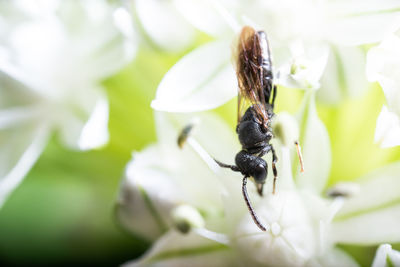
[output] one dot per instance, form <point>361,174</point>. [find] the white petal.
<point>344,74</point>
<point>24,129</point>
<point>212,17</point>
<point>18,86</point>
<point>369,228</point>
<point>380,259</point>
<point>394,256</point>
<point>163,23</point>
<point>15,116</point>
<point>383,66</point>
<point>95,132</point>
<point>203,79</point>
<point>175,249</point>
<point>316,148</point>
<point>321,212</point>
<point>354,23</point>
<point>385,254</point>
<point>147,196</point>
<point>387,132</point>
<point>289,240</point>
<point>371,216</point>
<point>333,258</point>
<point>203,186</point>
<point>18,154</point>
<point>71,120</point>
<point>113,46</point>
<point>18,102</point>
<point>92,47</point>
<point>381,59</point>
<point>99,42</point>
<point>378,189</point>
<point>33,9</point>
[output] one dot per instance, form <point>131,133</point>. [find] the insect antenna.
<point>298,148</point>
<point>250,207</point>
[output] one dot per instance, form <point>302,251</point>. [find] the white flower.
<point>383,66</point>
<point>161,23</point>
<point>172,176</point>
<point>314,44</point>
<point>53,56</point>
<point>386,256</point>
<point>303,226</point>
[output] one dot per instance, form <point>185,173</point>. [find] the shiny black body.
<point>255,80</point>
<point>254,139</point>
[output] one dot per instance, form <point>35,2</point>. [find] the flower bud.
<point>147,196</point>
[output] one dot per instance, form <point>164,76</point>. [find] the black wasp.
<point>256,93</point>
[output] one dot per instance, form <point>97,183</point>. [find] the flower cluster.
<point>53,56</point>
<point>165,188</point>
<point>194,212</point>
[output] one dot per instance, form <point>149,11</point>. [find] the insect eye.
<point>260,173</point>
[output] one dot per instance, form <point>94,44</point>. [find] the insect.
<point>256,99</point>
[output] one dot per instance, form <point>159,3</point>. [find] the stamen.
<point>203,154</point>
<point>298,148</point>
<point>217,237</point>
<point>185,137</point>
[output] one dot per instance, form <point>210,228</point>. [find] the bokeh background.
<point>63,212</point>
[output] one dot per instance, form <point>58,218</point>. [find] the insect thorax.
<point>252,133</point>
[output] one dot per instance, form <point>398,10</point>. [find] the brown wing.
<point>249,73</point>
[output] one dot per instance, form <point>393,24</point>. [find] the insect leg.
<point>250,207</point>
<point>232,167</point>
<point>265,150</point>
<point>274,160</point>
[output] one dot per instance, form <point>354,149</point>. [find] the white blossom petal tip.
<point>25,154</point>
<point>386,256</point>
<point>210,17</point>
<point>203,79</point>
<point>164,24</point>
<point>387,132</point>
<point>95,132</point>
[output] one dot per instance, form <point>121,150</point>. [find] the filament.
<point>298,148</point>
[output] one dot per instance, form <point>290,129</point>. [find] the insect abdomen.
<point>266,64</point>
